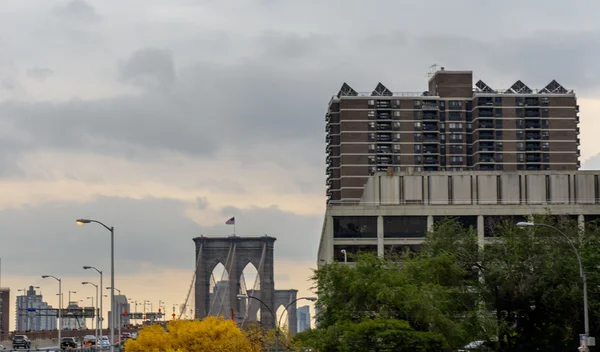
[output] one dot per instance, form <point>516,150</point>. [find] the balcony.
<point>430,116</point>
<point>384,115</point>
<point>485,101</point>
<point>486,112</point>
<point>533,158</point>
<point>533,125</point>
<point>485,125</point>
<point>430,150</point>
<point>533,146</point>
<point>430,160</point>
<point>486,146</point>
<point>430,138</point>
<point>533,135</point>
<point>532,101</point>
<point>384,137</point>
<point>486,159</point>
<point>383,104</point>
<point>532,113</point>
<point>430,126</point>
<point>429,106</point>
<point>384,126</point>
<point>486,135</point>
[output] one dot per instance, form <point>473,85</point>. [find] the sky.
<point>166,118</point>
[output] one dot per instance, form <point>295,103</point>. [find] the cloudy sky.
<point>165,118</point>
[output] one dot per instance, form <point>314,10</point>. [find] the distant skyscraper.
<point>219,300</point>
<point>303,314</point>
<point>33,314</point>
<point>4,309</point>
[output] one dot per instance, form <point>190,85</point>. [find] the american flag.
<point>230,221</point>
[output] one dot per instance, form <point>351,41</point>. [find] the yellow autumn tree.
<point>211,334</point>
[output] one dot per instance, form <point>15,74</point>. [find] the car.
<point>89,340</point>
<point>68,342</point>
<point>105,342</point>
<point>125,336</point>
<point>21,341</point>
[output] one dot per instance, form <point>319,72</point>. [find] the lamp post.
<point>92,303</point>
<point>59,303</point>
<point>69,301</point>
<point>242,296</point>
<point>99,319</point>
<point>112,275</point>
<point>581,275</point>
<point>98,334</point>
<point>115,311</point>
<point>312,299</point>
<point>345,255</point>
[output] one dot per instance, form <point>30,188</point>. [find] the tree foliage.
<point>211,334</point>
<point>521,292</point>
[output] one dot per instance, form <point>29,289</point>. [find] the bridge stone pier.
<point>283,298</point>
<point>235,252</point>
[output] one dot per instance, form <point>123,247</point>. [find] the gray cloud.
<point>201,203</point>
<point>39,73</point>
<point>149,68</point>
<point>150,230</point>
<point>79,10</point>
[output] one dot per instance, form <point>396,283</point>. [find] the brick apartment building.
<point>453,126</point>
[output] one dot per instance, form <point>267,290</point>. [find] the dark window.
<point>492,222</point>
<point>465,221</point>
<point>498,112</point>
<point>404,226</point>
<point>355,226</point>
<point>454,116</point>
<point>498,134</point>
<point>352,251</point>
<point>498,123</point>
<point>498,100</point>
<point>394,250</point>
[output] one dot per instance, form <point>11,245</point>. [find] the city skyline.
<point>166,119</point>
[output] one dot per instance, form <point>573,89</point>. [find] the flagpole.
<point>234,227</point>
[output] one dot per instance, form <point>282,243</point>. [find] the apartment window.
<point>544,112</point>
<point>396,124</point>
<point>371,146</point>
<point>499,157</point>
<point>417,125</point>
<point>442,126</point>
<point>397,147</point>
<point>519,101</point>
<point>404,226</point>
<point>469,127</point>
<point>546,157</point>
<point>498,134</point>
<point>371,113</point>
<point>455,125</point>
<point>418,160</point>
<point>417,137</point>
<point>416,103</point>
<point>442,103</point>
<point>397,102</point>
<point>520,146</point>
<point>396,136</point>
<point>469,116</point>
<point>454,116</point>
<point>519,123</point>
<point>546,146</point>
<point>442,116</point>
<point>397,113</point>
<point>498,112</point>
<point>456,137</point>
<point>371,102</point>
<point>520,157</point>
<point>443,137</point>
<point>455,104</point>
<point>544,101</point>
<point>519,135</point>
<point>371,124</point>
<point>417,148</point>
<point>499,167</point>
<point>498,100</point>
<point>456,159</point>
<point>498,123</point>
<point>544,123</point>
<point>545,135</point>
<point>499,146</point>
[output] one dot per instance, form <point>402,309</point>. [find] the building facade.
<point>4,310</point>
<point>453,126</point>
<point>303,318</point>
<point>397,210</point>
<point>33,314</point>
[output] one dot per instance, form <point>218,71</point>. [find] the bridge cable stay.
<point>182,311</point>
<point>227,287</point>
<point>212,304</point>
<point>256,282</point>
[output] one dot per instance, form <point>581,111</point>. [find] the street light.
<point>112,275</point>
<point>312,299</point>
<point>99,316</point>
<point>69,302</point>
<point>243,296</point>
<point>581,274</point>
<point>59,303</point>
<point>114,311</point>
<point>345,255</point>
<point>98,334</point>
